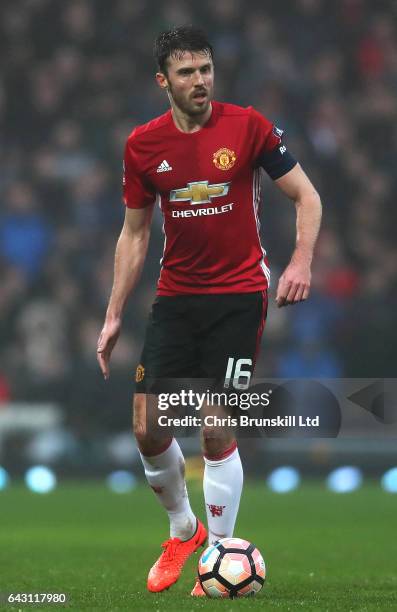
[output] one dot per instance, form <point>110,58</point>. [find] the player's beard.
<point>188,105</point>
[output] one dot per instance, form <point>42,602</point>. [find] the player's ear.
<point>162,80</point>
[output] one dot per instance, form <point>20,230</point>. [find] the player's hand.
<point>106,343</point>
<point>294,284</point>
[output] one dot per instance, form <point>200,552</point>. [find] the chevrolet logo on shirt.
<point>199,192</point>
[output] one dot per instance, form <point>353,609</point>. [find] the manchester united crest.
<point>140,373</point>
<point>224,159</point>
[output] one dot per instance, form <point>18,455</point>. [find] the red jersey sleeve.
<point>265,135</point>
<point>137,191</point>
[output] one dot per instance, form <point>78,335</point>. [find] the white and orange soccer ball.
<point>231,568</point>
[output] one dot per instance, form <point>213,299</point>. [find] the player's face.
<point>190,82</point>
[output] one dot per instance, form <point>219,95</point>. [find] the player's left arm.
<point>294,283</point>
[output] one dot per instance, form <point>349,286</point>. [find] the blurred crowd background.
<point>77,77</point>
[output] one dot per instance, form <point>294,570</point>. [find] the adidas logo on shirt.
<point>164,167</point>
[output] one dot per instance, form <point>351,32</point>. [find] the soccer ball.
<point>231,568</point>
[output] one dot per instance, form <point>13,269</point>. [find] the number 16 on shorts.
<point>236,374</point>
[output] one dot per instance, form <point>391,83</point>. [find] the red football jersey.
<point>208,184</point>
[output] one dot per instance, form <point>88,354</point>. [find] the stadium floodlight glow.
<point>121,481</point>
<point>4,478</point>
<point>344,479</point>
<point>389,480</point>
<point>283,479</point>
<point>40,479</point>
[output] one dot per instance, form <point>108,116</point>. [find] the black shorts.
<point>209,338</point>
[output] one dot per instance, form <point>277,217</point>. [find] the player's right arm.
<point>129,258</point>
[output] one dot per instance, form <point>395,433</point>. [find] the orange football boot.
<point>169,565</point>
<point>198,590</point>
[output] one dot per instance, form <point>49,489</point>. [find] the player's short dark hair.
<point>173,43</point>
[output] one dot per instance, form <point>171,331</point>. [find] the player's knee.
<point>141,435</point>
<point>139,415</point>
<point>140,424</point>
<point>147,442</point>
<point>210,433</point>
<point>215,440</point>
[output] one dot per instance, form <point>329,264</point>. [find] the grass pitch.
<point>323,551</point>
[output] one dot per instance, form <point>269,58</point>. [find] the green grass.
<point>323,551</point>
